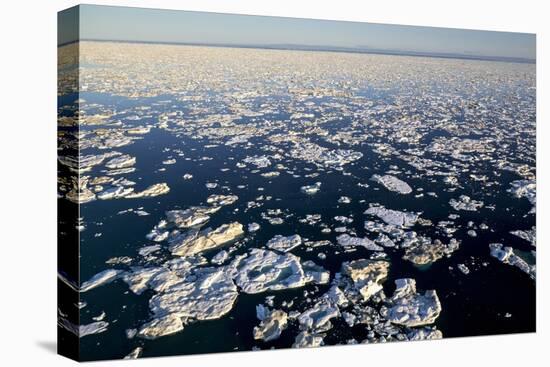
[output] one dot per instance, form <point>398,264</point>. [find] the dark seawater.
<point>474,304</point>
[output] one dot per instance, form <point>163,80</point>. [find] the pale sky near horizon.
<point>156,25</point>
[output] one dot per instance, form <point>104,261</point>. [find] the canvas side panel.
<point>68,184</point>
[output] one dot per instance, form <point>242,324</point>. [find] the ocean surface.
<point>471,100</point>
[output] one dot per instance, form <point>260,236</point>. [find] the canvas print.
<point>241,183</point>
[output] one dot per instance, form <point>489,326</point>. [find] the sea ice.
<point>151,191</point>
<point>272,323</point>
<point>311,189</point>
<point>465,203</point>
<point>263,270</point>
<point>100,278</point>
<point>423,251</point>
<point>206,294</point>
<point>220,257</point>
<point>367,275</point>
<point>115,192</point>
<point>135,353</point>
<point>525,189</point>
<point>208,239</point>
<point>194,216</point>
<point>147,250</point>
<point>528,235</point>
<point>253,227</point>
<point>318,317</point>
<point>307,340</point>
<point>506,255</point>
<point>93,328</point>
<point>258,161</point>
<point>346,240</point>
<point>221,200</point>
<point>123,161</point>
<point>410,308</point>
<point>393,217</point>
<point>284,244</point>
<point>392,183</point>
<point>162,326</point>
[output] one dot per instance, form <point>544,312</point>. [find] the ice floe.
<point>100,278</point>
<point>115,192</point>
<point>122,161</point>
<point>151,191</point>
<point>346,240</point>
<point>284,244</point>
<point>253,227</point>
<point>317,318</point>
<point>423,251</point>
<point>464,202</point>
<point>306,339</point>
<point>392,183</point>
<point>194,216</point>
<point>525,189</point>
<point>311,189</point>
<point>295,130</point>
<point>410,308</point>
<point>506,255</point>
<point>162,326</point>
<point>263,270</point>
<point>222,200</point>
<point>393,217</point>
<point>207,239</point>
<point>528,235</point>
<point>272,323</point>
<point>135,353</point>
<point>367,275</point>
<point>205,294</point>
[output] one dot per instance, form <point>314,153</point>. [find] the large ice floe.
<point>115,192</point>
<point>194,241</point>
<point>100,278</point>
<point>284,244</point>
<point>207,293</point>
<point>182,294</point>
<point>151,191</point>
<point>410,308</point>
<point>263,270</point>
<point>122,161</point>
<point>345,240</point>
<point>392,183</point>
<point>393,217</point>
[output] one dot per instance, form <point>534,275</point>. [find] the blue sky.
<point>138,24</point>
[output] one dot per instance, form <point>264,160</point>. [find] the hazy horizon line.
<point>322,48</point>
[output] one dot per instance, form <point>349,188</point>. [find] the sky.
<point>176,26</point>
